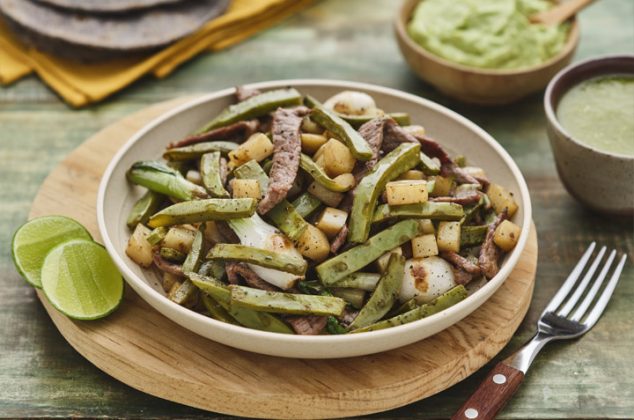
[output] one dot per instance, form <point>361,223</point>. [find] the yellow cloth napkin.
<point>80,84</point>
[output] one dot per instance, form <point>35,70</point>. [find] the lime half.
<point>34,239</point>
<point>80,279</point>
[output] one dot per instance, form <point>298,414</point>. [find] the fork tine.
<point>582,285</point>
<point>599,307</point>
<point>570,281</point>
<point>581,310</point>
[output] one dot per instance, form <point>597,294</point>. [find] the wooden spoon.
<point>561,13</point>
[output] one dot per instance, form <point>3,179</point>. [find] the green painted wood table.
<point>42,376</point>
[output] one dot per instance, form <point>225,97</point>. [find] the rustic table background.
<point>42,376</point>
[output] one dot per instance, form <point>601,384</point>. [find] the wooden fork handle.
<point>492,394</point>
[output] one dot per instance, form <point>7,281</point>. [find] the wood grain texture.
<point>41,375</point>
<point>145,350</point>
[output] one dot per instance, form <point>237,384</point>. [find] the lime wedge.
<point>34,239</point>
<point>80,279</point>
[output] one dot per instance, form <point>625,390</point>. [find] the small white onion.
<point>426,278</point>
<point>351,102</point>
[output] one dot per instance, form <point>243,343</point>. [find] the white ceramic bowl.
<point>116,197</point>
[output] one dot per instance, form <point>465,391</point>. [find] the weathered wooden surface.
<point>41,375</point>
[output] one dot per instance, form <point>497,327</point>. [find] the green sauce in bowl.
<point>599,112</point>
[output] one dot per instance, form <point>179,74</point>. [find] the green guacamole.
<point>492,34</point>
<point>600,113</point>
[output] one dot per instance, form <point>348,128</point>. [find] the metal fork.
<point>564,318</point>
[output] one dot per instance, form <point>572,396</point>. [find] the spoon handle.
<point>559,14</point>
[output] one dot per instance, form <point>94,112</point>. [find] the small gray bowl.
<point>603,181</point>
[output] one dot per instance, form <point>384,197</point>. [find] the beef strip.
<point>227,233</point>
<point>461,262</point>
<point>240,131</point>
<point>244,93</point>
<point>372,132</point>
<point>489,252</point>
<point>235,269</point>
<point>339,240</point>
<point>394,135</point>
<point>463,198</point>
<point>461,276</point>
<point>166,266</point>
<point>286,154</point>
<point>448,167</point>
<point>307,325</point>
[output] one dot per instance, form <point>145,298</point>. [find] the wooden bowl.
<point>476,85</point>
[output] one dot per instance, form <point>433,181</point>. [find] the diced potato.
<point>257,147</point>
<point>337,158</point>
<point>424,246</point>
<point>415,130</point>
<point>381,262</point>
<point>329,198</point>
<point>506,235</point>
<point>312,142</point>
<point>427,226</point>
<point>310,126</point>
<point>475,171</point>
<point>245,188</point>
<point>448,236</point>
<point>346,180</point>
<point>180,239</point>
<point>169,280</point>
<point>212,234</point>
<point>331,221</point>
<point>412,175</point>
<point>194,176</point>
<point>442,186</point>
<point>172,291</point>
<point>314,244</point>
<point>406,192</point>
<point>501,199</point>
<point>139,249</point>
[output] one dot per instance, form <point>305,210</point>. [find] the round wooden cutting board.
<point>145,350</point>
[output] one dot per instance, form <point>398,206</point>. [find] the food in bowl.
<point>599,112</point>
<point>288,215</point>
<point>492,34</point>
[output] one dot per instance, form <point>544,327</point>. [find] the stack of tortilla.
<point>92,30</point>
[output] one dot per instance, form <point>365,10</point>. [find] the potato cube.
<point>313,244</point>
<point>442,186</point>
<point>337,158</point>
<point>180,239</point>
<point>139,249</point>
<point>257,147</point>
<point>506,235</point>
<point>501,199</point>
<point>245,188</point>
<point>329,198</point>
<point>424,246</point>
<point>345,180</point>
<point>381,262</point>
<point>312,142</point>
<point>406,192</point>
<point>412,175</point>
<point>169,280</point>
<point>331,221</point>
<point>415,130</point>
<point>427,226</point>
<point>448,236</point>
